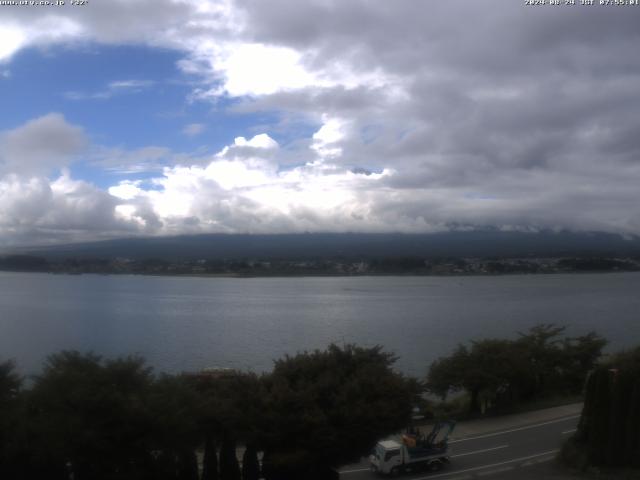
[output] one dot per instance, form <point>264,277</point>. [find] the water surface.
<point>187,323</point>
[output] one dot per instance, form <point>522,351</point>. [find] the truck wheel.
<point>395,471</point>
<point>435,466</point>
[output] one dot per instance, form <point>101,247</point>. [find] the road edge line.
<point>558,420</point>
<point>488,466</point>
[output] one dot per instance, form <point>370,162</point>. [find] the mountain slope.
<point>353,245</point>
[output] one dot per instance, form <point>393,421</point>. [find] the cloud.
<point>118,160</point>
<point>38,210</point>
<point>18,30</point>
<point>130,84</point>
<point>12,39</point>
<point>462,113</point>
<point>40,146</point>
<point>245,188</point>
<point>242,190</point>
<point>112,89</point>
<point>193,129</point>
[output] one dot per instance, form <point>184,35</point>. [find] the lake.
<point>188,323</point>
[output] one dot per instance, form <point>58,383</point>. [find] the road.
<point>491,454</point>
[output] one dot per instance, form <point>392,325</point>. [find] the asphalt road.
<point>491,454</point>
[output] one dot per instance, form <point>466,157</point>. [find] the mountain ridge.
<point>479,243</point>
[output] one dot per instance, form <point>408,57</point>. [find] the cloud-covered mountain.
<point>481,243</point>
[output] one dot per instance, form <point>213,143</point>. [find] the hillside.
<point>348,246</point>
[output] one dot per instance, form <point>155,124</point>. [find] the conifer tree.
<point>250,464</point>
<point>210,460</point>
<point>229,467</point>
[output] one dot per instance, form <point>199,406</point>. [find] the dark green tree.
<point>491,369</point>
<point>609,426</point>
<point>504,372</point>
<point>11,421</point>
<point>580,355</point>
<point>210,459</point>
<point>176,432</point>
<point>447,374</point>
<point>10,382</point>
<point>229,467</point>
<point>545,355</point>
<point>250,464</point>
<point>327,408</point>
<point>231,405</point>
<point>89,417</point>
<point>188,464</point>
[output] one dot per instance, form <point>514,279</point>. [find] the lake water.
<point>187,323</point>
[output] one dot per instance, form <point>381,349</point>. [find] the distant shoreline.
<point>324,275</point>
<point>323,267</point>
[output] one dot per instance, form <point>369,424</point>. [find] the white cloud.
<point>256,69</point>
<point>259,141</point>
<point>117,87</point>
<point>193,129</point>
<point>129,84</point>
<point>19,32</point>
<point>38,210</point>
<point>126,189</point>
<point>243,190</point>
<point>326,140</point>
<point>12,39</point>
<point>239,69</point>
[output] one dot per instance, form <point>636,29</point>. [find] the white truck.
<point>415,454</point>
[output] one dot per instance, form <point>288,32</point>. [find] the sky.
<point>162,117</point>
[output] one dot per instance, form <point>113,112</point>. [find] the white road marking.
<point>478,451</point>
<point>354,471</point>
<point>482,467</point>
<point>515,429</point>
<point>534,462</point>
<point>542,460</point>
<point>566,432</point>
<point>495,470</point>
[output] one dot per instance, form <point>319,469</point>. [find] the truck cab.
<point>387,457</point>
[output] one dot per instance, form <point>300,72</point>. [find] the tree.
<point>175,405</point>
<point>10,382</point>
<point>231,408</point>
<point>250,464</point>
<point>545,356</point>
<point>504,372</point>
<point>490,369</point>
<point>229,468</point>
<point>210,459</point>
<point>90,417</point>
<point>580,356</point>
<point>10,419</point>
<point>608,428</point>
<point>446,374</point>
<point>327,408</point>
